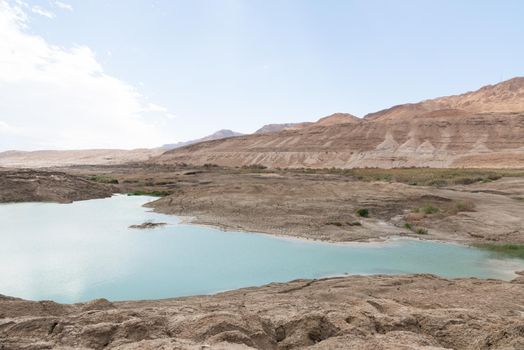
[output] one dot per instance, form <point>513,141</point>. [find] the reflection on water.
<point>85,250</point>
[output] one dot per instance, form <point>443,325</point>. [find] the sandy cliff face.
<point>484,128</point>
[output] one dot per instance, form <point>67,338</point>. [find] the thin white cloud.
<point>42,12</point>
<point>64,6</point>
<point>61,98</point>
<point>7,129</point>
<point>151,107</point>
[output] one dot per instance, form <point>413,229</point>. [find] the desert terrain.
<point>479,129</point>
<point>354,312</point>
<point>460,205</point>
<point>449,169</point>
<point>415,312</point>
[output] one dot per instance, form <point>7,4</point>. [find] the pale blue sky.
<point>240,64</point>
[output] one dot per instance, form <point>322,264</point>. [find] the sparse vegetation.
<point>417,230</point>
<point>510,250</point>
<point>421,231</point>
<point>103,179</point>
<point>428,209</point>
<point>340,224</point>
<point>255,167</point>
<point>462,206</point>
<point>423,176</point>
<point>363,212</point>
<point>445,209</point>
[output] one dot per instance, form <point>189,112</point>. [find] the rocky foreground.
<point>358,312</point>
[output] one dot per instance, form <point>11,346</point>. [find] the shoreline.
<point>379,310</point>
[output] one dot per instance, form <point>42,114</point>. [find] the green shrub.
<point>408,226</point>
<point>421,231</point>
<point>429,209</point>
<point>363,212</point>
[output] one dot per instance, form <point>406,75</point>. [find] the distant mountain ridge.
<point>270,128</point>
<point>220,134</point>
<point>505,97</point>
<point>482,128</point>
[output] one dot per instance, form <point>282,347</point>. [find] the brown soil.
<point>324,205</point>
<point>48,186</point>
<point>357,312</point>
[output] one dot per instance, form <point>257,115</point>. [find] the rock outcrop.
<point>358,312</point>
<point>48,186</point>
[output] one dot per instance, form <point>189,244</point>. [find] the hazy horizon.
<point>139,74</point>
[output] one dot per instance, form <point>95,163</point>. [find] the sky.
<point>130,74</point>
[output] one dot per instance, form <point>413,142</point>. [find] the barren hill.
<point>504,97</point>
<point>270,128</point>
<point>483,128</point>
<point>337,118</point>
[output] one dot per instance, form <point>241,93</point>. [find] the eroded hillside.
<point>484,128</point>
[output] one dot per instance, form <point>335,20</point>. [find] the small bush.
<point>408,226</point>
<point>363,212</point>
<point>465,206</point>
<point>421,231</point>
<point>429,209</point>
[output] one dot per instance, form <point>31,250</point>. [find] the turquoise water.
<point>85,250</point>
